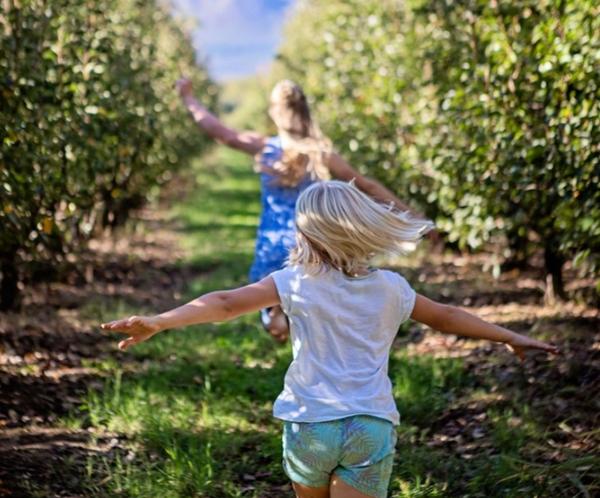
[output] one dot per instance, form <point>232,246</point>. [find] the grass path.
<point>199,410</point>
<point>188,414</point>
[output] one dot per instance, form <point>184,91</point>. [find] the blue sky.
<point>238,37</point>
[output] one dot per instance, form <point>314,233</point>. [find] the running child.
<point>337,405</point>
<point>288,163</point>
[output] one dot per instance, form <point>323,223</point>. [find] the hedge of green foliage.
<point>90,124</point>
<point>487,113</point>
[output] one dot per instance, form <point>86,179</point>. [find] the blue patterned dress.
<point>276,232</point>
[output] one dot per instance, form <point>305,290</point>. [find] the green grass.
<point>194,408</point>
<point>424,386</point>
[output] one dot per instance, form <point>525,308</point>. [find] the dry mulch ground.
<point>48,353</point>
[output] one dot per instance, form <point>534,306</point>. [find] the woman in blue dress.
<point>288,163</point>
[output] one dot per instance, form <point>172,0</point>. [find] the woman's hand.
<point>519,345</point>
<point>184,85</point>
<point>140,329</point>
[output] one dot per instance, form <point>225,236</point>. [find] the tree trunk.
<point>518,245</point>
<point>554,262</point>
<point>9,286</point>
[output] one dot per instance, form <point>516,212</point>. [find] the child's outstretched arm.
<point>452,320</point>
<point>220,306</point>
<point>249,142</point>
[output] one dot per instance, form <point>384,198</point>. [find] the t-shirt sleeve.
<point>282,279</point>
<point>407,298</point>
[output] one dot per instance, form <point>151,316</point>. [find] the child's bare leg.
<point>303,491</point>
<point>339,489</point>
<point>279,327</point>
<point>336,489</point>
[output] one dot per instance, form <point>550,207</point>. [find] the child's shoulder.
<point>272,146</point>
<point>288,272</point>
<point>274,141</point>
<point>300,272</point>
<point>393,277</point>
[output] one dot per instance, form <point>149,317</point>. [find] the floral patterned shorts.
<point>359,450</point>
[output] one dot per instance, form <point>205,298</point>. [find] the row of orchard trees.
<point>487,112</point>
<point>89,122</point>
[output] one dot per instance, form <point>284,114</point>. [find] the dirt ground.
<point>49,352</point>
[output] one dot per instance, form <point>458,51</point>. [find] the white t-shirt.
<point>342,330</point>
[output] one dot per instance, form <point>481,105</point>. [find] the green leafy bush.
<point>519,125</point>
<point>487,113</point>
<point>89,121</point>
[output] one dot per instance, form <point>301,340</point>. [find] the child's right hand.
<point>519,345</point>
<point>140,329</point>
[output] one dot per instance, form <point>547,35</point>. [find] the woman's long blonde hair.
<point>337,226</point>
<point>305,148</point>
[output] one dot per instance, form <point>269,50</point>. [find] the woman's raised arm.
<point>340,169</point>
<point>249,142</point>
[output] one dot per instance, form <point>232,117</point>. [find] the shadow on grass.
<point>218,461</point>
<point>174,462</point>
<point>40,462</point>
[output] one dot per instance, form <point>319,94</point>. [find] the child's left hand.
<point>520,344</point>
<point>140,328</point>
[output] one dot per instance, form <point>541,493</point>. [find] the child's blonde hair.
<point>305,148</point>
<point>337,226</point>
